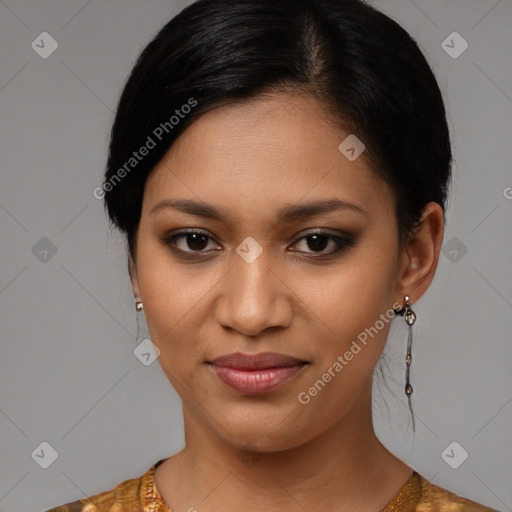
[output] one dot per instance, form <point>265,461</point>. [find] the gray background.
<point>68,375</point>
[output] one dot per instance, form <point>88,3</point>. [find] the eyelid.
<point>324,231</point>
<point>300,236</point>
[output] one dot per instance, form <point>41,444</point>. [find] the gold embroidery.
<point>141,495</point>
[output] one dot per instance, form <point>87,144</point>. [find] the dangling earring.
<point>142,328</point>
<point>410,318</point>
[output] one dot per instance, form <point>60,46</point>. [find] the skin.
<point>269,451</point>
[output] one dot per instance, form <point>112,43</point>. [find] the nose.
<point>254,297</point>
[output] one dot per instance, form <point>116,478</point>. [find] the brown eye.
<point>189,242</point>
<point>317,242</point>
<point>320,243</point>
<point>198,243</point>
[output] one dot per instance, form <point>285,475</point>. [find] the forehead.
<point>255,156</point>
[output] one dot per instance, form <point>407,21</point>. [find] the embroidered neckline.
<point>152,501</point>
<point>149,496</point>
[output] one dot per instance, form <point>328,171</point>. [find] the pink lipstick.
<point>252,374</point>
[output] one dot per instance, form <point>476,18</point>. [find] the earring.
<point>410,318</point>
<point>142,328</point>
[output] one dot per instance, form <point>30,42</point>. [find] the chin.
<point>267,430</point>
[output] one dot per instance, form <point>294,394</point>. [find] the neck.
<point>336,467</point>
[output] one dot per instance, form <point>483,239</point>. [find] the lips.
<point>261,361</point>
<point>256,373</point>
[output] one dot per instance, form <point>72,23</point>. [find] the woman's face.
<point>272,270</point>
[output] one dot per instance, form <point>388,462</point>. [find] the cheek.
<point>171,299</point>
<point>352,296</point>
<point>354,312</point>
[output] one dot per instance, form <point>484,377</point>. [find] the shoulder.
<point>435,498</point>
<point>125,497</point>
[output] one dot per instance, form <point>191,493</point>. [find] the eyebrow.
<point>288,214</point>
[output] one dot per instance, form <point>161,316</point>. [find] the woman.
<point>280,170</point>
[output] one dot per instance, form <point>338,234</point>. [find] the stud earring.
<point>410,318</point>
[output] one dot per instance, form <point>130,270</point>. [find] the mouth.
<point>252,374</point>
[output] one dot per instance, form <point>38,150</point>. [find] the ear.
<point>421,255</point>
<point>132,270</point>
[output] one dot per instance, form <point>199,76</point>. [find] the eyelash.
<point>341,242</point>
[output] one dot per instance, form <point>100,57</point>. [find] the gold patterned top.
<point>141,495</point>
